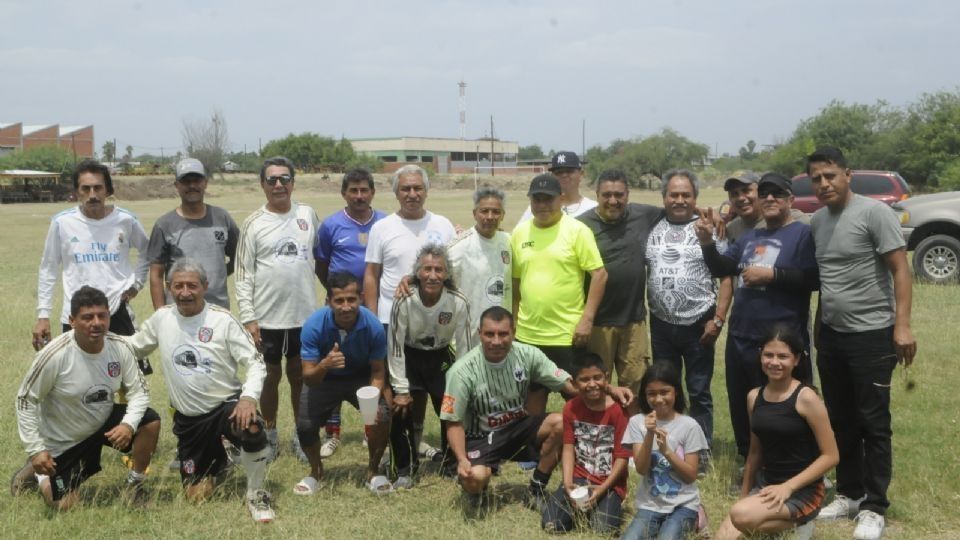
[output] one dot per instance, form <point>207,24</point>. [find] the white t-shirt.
<point>201,357</point>
<point>68,394</point>
<point>660,490</point>
<point>426,328</point>
<point>481,269</point>
<point>394,243</point>
<point>93,252</point>
<point>572,210</point>
<point>276,284</point>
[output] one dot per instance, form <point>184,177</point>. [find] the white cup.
<point>580,495</point>
<point>368,397</point>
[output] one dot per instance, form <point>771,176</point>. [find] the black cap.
<point>546,184</point>
<point>776,179</point>
<point>747,178</point>
<point>565,160</point>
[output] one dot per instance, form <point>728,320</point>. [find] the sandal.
<point>380,485</point>
<point>306,487</point>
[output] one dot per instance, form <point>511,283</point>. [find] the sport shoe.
<point>260,508</point>
<point>403,482</point>
<point>842,507</point>
<point>274,441</point>
<point>23,480</point>
<point>427,451</point>
<point>869,526</point>
<point>330,447</point>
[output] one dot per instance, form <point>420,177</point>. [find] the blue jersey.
<point>363,343</point>
<point>342,242</point>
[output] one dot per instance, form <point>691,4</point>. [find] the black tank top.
<point>788,443</point>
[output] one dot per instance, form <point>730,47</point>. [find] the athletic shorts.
<point>279,343</point>
<point>804,504</point>
<point>82,460</point>
<point>561,355</point>
<point>199,447</point>
<point>516,442</point>
<point>318,402</point>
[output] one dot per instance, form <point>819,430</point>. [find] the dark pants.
<point>680,344</point>
<point>426,372</point>
<point>855,371</point>
<point>742,361</point>
<point>604,518</point>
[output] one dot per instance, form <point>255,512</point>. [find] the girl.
<point>666,446</point>
<point>791,445</point>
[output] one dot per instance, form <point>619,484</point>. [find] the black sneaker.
<point>23,480</point>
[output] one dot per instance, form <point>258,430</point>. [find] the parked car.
<point>931,228</point>
<point>886,186</point>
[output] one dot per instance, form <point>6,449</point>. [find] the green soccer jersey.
<point>486,397</point>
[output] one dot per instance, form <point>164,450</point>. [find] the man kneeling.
<point>66,412</point>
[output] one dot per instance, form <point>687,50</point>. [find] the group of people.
<point>486,324</point>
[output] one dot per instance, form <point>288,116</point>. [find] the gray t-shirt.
<point>856,287</point>
<point>211,241</point>
<point>660,490</point>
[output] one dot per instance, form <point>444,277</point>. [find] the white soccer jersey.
<point>93,252</point>
<point>275,280</point>
<point>68,394</point>
<point>481,269</point>
<point>201,357</point>
<point>426,328</point>
<point>394,243</point>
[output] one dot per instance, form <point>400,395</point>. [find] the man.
<point>344,348</point>
<point>423,324</point>
<point>686,310</point>
<point>341,247</point>
<point>551,254</point>
<point>864,331</point>
<point>202,348</point>
<point>480,258</point>
<point>742,194</point>
<point>484,406</point>
<point>276,290</point>
<point>568,168</point>
<point>91,245</point>
<point>65,408</point>
<point>776,271</point>
<point>203,232</point>
<point>621,228</point>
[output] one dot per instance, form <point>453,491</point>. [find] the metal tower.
<point>463,109</point>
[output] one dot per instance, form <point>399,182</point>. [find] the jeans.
<point>742,360</point>
<point>855,371</point>
<point>604,518</point>
<point>650,525</point>
<point>680,344</point>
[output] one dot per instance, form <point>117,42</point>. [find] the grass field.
<point>925,490</point>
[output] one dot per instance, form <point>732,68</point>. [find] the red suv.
<point>885,186</point>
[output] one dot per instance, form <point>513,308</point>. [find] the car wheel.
<point>937,259</point>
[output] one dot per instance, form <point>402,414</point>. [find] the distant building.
<point>441,155</point>
<point>16,136</point>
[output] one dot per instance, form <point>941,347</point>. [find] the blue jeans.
<point>680,344</point>
<point>650,525</point>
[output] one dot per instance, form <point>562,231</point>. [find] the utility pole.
<point>583,139</point>
<point>493,161</point>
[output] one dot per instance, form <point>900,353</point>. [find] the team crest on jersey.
<point>505,256</point>
<point>219,235</point>
<point>189,467</point>
<point>445,317</point>
<point>205,334</point>
<point>113,369</point>
<point>520,374</point>
<point>362,238</point>
<point>302,223</point>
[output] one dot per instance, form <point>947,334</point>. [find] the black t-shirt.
<point>622,246</point>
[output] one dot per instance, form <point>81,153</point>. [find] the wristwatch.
<point>718,322</point>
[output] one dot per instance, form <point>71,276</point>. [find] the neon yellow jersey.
<point>550,264</point>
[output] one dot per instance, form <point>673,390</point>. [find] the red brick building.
<point>16,136</point>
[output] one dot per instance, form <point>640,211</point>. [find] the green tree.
<point>654,155</point>
<point>50,158</point>
<point>532,151</point>
<point>306,150</point>
<point>931,136</point>
<point>109,151</point>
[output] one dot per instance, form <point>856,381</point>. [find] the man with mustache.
<point>90,245</point>
<point>201,231</point>
<point>742,194</point>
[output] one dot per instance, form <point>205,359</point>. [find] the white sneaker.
<point>330,447</point>
<point>427,451</point>
<point>842,507</point>
<point>869,526</point>
<point>273,439</point>
<point>403,482</point>
<point>260,508</point>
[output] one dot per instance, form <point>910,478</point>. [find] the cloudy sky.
<point>719,72</point>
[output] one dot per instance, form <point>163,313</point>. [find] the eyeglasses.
<point>777,193</point>
<point>284,179</point>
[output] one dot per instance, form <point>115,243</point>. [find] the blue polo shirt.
<point>365,342</point>
<point>342,242</point>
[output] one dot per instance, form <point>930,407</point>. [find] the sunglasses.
<point>777,193</point>
<point>284,179</point>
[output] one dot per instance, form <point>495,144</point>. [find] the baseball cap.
<point>565,160</point>
<point>545,183</point>
<point>748,177</point>
<point>190,166</point>
<point>778,180</point>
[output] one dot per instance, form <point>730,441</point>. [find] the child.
<point>593,427</point>
<point>666,445</point>
<point>791,445</point>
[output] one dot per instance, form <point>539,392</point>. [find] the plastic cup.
<point>368,397</point>
<point>580,495</point>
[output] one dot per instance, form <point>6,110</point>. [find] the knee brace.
<point>254,441</point>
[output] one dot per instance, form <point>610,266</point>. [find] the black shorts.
<point>199,447</point>
<point>318,402</point>
<point>561,355</point>
<point>804,504</point>
<point>82,460</point>
<point>279,343</point>
<point>516,442</point>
